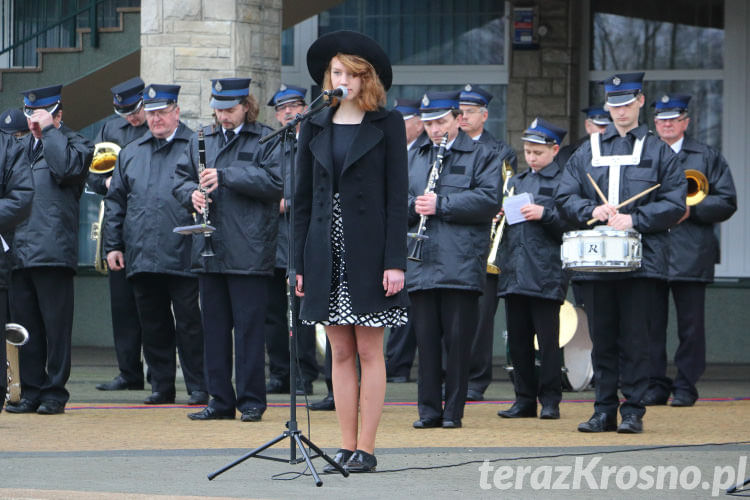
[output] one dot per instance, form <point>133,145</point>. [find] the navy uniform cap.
<point>129,93</point>
<point>671,106</point>
<point>436,105</point>
<point>476,95</point>
<point>12,121</point>
<point>407,107</point>
<point>228,92</point>
<point>159,96</point>
<point>543,132</point>
<point>288,93</point>
<point>598,115</point>
<point>623,88</point>
<point>42,97</point>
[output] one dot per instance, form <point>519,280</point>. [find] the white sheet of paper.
<point>512,206</point>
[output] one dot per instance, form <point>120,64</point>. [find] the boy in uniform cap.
<point>532,280</point>
<point>693,251</point>
<point>288,101</point>
<point>241,183</point>
<point>623,161</point>
<point>140,216</point>
<point>45,252</point>
<point>474,101</point>
<point>122,129</point>
<point>445,285</point>
<point>13,122</point>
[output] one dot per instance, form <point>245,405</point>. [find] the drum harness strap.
<point>614,162</point>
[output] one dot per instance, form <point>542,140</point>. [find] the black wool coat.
<point>373,189</point>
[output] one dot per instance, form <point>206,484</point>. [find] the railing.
<point>31,24</point>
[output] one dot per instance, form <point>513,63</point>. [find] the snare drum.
<point>601,249</point>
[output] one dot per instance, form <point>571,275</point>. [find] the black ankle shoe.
<point>342,457</point>
<point>361,461</point>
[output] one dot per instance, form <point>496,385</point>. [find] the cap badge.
<point>534,123</point>
<point>282,88</point>
<point>616,81</point>
<point>217,86</point>
<point>425,100</point>
<point>665,98</point>
<point>151,93</point>
<point>8,119</point>
<point>32,96</point>
<point>118,97</point>
<point>468,87</point>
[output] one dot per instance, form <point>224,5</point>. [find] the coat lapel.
<point>368,135</point>
<point>320,145</point>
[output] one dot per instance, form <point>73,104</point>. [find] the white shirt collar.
<point>677,146</point>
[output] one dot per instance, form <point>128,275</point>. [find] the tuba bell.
<point>103,162</point>
<point>697,187</point>
<point>15,336</point>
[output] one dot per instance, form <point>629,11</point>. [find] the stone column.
<point>192,41</point>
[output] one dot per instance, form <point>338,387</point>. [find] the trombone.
<point>103,162</point>
<point>496,233</point>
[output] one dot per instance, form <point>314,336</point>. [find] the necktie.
<point>229,136</point>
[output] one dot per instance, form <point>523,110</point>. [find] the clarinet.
<point>208,249</point>
<point>432,180</point>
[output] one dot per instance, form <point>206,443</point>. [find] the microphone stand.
<point>297,440</point>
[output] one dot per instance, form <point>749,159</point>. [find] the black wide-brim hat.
<point>323,49</point>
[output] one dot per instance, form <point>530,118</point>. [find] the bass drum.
<point>575,350</point>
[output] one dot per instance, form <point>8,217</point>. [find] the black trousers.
<point>527,316</point>
<point>157,295</point>
<point>42,301</point>
<point>480,367</point>
<point>400,350</point>
<point>126,327</point>
<point>690,357</point>
<point>236,302</point>
<point>618,313</point>
<point>443,317</point>
<point>277,334</point>
<point>3,357</point>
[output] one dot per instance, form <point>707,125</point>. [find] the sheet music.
<point>512,206</point>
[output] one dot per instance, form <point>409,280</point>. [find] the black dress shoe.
<point>654,398</point>
<point>50,407</point>
<point>361,461</point>
<point>209,413</point>
<point>23,406</point>
<point>399,379</point>
<point>452,424</point>
<point>304,388</point>
<point>682,399</point>
<point>550,412</point>
<point>518,411</point>
<point>251,415</point>
<point>599,422</point>
<point>631,424</point>
<point>277,386</point>
<point>325,404</point>
<point>342,456</point>
<point>159,398</point>
<point>472,395</point>
<point>428,423</point>
<point>198,398</point>
<point>120,384</point>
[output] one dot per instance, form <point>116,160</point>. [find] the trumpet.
<point>496,233</point>
<point>103,162</point>
<point>419,236</point>
<point>16,336</point>
<point>697,187</point>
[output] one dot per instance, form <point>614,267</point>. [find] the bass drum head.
<point>578,369</point>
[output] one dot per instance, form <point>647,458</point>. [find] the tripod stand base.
<point>299,439</point>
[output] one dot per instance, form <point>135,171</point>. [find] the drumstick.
<point>599,191</point>
<point>629,200</point>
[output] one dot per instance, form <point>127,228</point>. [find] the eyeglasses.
<point>473,111</point>
<point>160,113</point>
<point>289,105</point>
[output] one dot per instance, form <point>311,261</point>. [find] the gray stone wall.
<point>189,42</point>
<point>544,82</point>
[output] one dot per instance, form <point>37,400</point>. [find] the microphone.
<point>337,92</point>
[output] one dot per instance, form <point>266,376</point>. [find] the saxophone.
<point>496,234</point>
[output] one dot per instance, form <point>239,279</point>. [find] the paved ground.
<point>108,446</point>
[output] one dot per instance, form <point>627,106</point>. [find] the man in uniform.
<point>241,184</point>
<point>16,193</point>
<point>474,102</point>
<point>693,250</point>
<point>624,161</point>
<point>445,285</point>
<point>288,101</point>
<point>140,216</point>
<point>128,125</point>
<point>402,344</point>
<point>45,253</point>
<point>597,120</point>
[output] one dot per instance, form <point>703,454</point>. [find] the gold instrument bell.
<point>105,157</point>
<point>697,187</point>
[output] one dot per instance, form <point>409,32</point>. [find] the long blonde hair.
<point>372,93</point>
